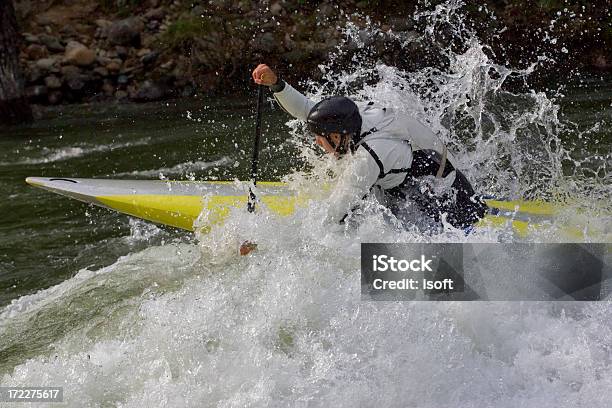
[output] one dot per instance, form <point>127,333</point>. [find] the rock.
<point>69,30</point>
<point>77,83</point>
<point>121,95</point>
<point>53,82</point>
<point>103,72</point>
<point>36,51</point>
<point>600,62</point>
<point>78,54</point>
<point>149,58</point>
<point>33,73</point>
<point>102,60</point>
<point>149,41</point>
<point>156,14</point>
<point>23,9</point>
<point>122,52</point>
<point>327,10</point>
<point>123,80</point>
<point>54,97</point>
<point>295,55</point>
<point>188,91</point>
<point>129,65</point>
<point>103,24</point>
<point>52,43</point>
<point>31,38</point>
<point>36,92</point>
<point>108,88</point>
<point>46,64</point>
<point>114,65</point>
<point>276,9</point>
<point>70,71</point>
<point>198,11</point>
<point>142,52</point>
<point>125,32</point>
<point>168,65</point>
<point>150,91</point>
<point>267,42</point>
<point>44,19</point>
<point>153,25</point>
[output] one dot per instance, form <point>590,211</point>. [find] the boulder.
<point>276,9</point>
<point>33,73</point>
<point>114,65</point>
<point>123,80</point>
<point>267,42</point>
<point>150,91</point>
<point>125,32</point>
<point>54,97</point>
<point>76,83</point>
<point>156,14</point>
<point>121,95</point>
<point>31,38</point>
<point>52,43</point>
<point>36,92</point>
<point>122,52</point>
<point>36,51</point>
<point>53,82</point>
<point>47,64</point>
<point>149,58</point>
<point>108,88</point>
<point>103,72</point>
<point>152,25</point>
<point>103,24</point>
<point>70,71</point>
<point>78,54</point>
<point>143,52</point>
<point>69,30</point>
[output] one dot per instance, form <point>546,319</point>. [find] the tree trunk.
<point>14,107</point>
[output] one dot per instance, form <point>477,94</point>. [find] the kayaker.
<point>392,155</point>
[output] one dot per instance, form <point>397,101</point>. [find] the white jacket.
<point>381,154</point>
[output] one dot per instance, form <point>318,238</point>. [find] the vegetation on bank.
<point>140,50</point>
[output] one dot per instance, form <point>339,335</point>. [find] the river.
<point>121,312</point>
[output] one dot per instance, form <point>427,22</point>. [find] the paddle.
<point>255,162</point>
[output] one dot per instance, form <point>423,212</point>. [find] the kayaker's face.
<point>321,141</point>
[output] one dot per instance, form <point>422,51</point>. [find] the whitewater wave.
<point>187,324</point>
<point>185,168</point>
<point>51,155</point>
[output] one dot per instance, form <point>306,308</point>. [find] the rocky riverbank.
<point>145,50</point>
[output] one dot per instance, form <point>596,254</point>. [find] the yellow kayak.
<point>180,203</point>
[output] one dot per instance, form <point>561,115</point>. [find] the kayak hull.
<point>181,203</point>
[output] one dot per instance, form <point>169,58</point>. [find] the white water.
<point>193,324</point>
<point>186,169</point>
<point>197,325</point>
<point>46,155</point>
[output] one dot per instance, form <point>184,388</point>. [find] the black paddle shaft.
<point>255,162</point>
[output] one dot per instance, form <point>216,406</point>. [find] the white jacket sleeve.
<point>353,184</point>
<point>296,104</point>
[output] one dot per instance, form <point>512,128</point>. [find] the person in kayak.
<point>393,156</point>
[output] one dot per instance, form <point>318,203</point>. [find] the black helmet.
<point>336,114</point>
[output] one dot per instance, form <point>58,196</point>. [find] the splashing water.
<point>192,324</point>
